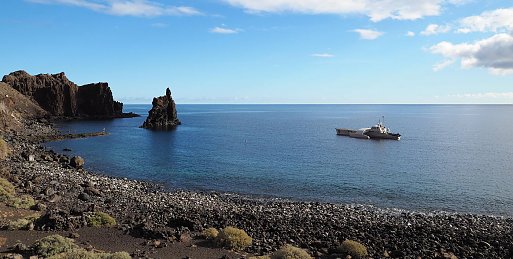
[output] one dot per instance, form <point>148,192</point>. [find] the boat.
<point>378,131</point>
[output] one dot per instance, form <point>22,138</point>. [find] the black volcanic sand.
<point>147,210</point>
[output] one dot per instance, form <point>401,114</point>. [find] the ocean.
<point>456,158</point>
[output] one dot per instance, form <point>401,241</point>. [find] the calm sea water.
<point>451,157</point>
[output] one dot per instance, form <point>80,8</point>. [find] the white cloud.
<point>368,34</point>
<point>439,66</point>
<point>377,10</point>
<point>410,34</point>
<point>500,20</point>
<point>433,29</point>
<point>323,55</point>
<point>142,8</point>
<point>224,30</point>
<point>494,53</point>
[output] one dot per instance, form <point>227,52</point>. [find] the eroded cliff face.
<point>163,115</point>
<point>96,100</point>
<point>61,97</point>
<point>54,93</point>
<point>14,107</point>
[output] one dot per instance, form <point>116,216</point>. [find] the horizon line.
<point>331,103</point>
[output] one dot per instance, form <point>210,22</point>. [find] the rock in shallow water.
<point>163,114</point>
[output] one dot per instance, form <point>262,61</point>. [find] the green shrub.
<point>4,149</point>
<point>6,190</point>
<point>234,238</point>
<point>290,252</point>
<point>100,219</point>
<point>83,254</point>
<point>19,224</point>
<point>352,248</point>
<point>260,257</point>
<point>22,202</point>
<point>53,245</point>
<point>210,233</point>
<point>23,223</point>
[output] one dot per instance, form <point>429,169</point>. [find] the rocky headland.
<point>67,195</point>
<point>60,97</point>
<point>163,115</point>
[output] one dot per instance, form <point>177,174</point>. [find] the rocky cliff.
<point>14,107</point>
<point>61,97</point>
<point>162,115</point>
<point>54,93</point>
<point>96,100</point>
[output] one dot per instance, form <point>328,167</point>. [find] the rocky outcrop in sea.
<point>162,115</point>
<point>60,97</point>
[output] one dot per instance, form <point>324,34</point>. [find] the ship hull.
<point>345,132</point>
<point>376,135</point>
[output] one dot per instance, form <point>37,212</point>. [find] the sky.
<point>269,51</point>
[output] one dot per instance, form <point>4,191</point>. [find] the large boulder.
<point>61,97</point>
<point>162,115</point>
<point>77,162</point>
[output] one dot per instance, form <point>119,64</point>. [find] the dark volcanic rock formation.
<point>163,114</point>
<point>61,97</point>
<point>96,99</point>
<point>54,93</point>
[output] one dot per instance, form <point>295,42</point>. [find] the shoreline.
<point>148,210</point>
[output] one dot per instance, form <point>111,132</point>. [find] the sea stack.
<point>162,115</point>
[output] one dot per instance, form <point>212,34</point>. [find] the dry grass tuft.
<point>4,149</point>
<point>53,245</point>
<point>100,219</point>
<point>290,252</point>
<point>83,254</point>
<point>6,190</point>
<point>210,233</point>
<point>353,248</point>
<point>234,238</point>
<point>22,202</point>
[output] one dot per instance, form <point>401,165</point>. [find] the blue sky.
<point>269,51</point>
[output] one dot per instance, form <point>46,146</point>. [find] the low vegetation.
<point>22,202</point>
<point>83,254</point>
<point>6,190</point>
<point>20,224</point>
<point>59,247</point>
<point>100,219</point>
<point>210,233</point>
<point>234,238</point>
<point>53,245</point>
<point>4,149</point>
<point>353,248</point>
<point>25,223</point>
<point>290,252</point>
